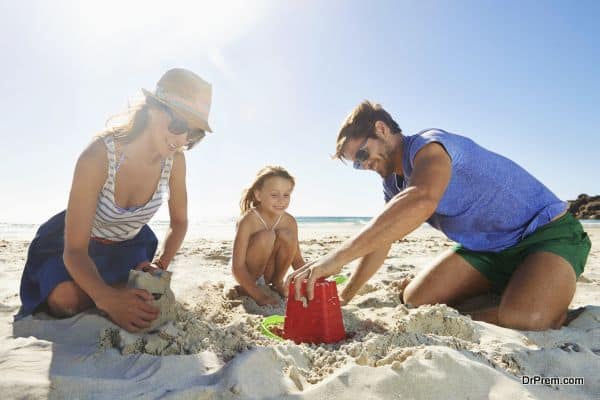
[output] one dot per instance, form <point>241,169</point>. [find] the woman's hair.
<point>130,123</point>
<point>248,201</point>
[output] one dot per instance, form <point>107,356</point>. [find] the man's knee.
<point>67,299</point>
<point>524,320</point>
<point>415,295</point>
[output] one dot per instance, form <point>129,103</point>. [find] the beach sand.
<point>214,349</point>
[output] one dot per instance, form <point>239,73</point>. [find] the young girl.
<point>266,242</point>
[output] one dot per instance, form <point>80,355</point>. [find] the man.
<point>514,236</point>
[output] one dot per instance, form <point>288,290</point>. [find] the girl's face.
<point>274,196</point>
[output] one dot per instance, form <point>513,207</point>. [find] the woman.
<point>82,256</point>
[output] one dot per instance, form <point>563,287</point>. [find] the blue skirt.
<point>45,268</point>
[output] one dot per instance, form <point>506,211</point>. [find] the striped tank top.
<point>118,224</point>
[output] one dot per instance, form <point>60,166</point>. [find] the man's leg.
<point>538,294</point>
<point>448,280</point>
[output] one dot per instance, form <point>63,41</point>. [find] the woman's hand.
<point>129,308</point>
<point>146,266</point>
<point>321,268</point>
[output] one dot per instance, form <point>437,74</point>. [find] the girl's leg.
<point>286,245</point>
<point>260,248</point>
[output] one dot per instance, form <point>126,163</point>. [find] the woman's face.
<point>167,125</point>
<point>274,196</point>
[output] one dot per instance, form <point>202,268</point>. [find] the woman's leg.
<point>448,280</point>
<point>68,299</point>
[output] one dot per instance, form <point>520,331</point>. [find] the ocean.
<point>224,228</point>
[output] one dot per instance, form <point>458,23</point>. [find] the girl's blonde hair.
<point>248,200</point>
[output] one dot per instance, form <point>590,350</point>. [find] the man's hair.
<point>361,123</point>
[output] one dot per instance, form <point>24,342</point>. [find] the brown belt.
<point>103,241</point>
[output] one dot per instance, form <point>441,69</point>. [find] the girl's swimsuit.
<point>263,221</point>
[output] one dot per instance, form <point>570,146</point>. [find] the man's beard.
<point>387,161</point>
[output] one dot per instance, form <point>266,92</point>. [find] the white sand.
<point>217,351</point>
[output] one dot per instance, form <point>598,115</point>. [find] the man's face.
<point>380,154</point>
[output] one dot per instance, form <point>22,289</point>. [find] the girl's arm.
<point>240,268</point>
<point>126,307</point>
<point>177,212</point>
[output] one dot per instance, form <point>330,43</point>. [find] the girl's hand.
<point>129,308</point>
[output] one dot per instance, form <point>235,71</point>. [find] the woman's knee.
<point>68,299</point>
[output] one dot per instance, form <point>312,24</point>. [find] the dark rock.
<point>585,207</point>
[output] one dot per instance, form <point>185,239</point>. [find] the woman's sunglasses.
<point>179,126</point>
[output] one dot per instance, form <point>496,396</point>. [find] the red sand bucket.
<point>319,322</point>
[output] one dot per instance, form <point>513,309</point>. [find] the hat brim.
<point>194,119</point>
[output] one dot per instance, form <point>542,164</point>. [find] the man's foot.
<point>572,315</point>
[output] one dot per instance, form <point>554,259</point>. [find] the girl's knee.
<point>263,239</point>
<point>286,236</point>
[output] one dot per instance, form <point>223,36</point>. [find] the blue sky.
<point>521,78</point>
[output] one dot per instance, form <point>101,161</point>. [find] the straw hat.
<point>186,93</point>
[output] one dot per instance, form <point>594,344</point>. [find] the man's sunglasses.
<point>361,155</point>
<point>179,126</point>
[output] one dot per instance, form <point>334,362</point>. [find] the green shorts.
<point>564,237</point>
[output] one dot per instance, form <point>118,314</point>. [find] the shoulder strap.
<point>261,218</point>
<point>276,222</point>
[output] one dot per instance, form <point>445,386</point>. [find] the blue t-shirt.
<point>490,204</point>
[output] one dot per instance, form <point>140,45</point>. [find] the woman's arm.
<point>177,212</point>
<point>126,307</point>
<point>90,174</point>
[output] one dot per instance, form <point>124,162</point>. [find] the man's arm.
<point>407,210</point>
<point>366,269</point>
<point>402,215</point>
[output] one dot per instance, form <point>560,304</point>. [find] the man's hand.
<point>321,268</point>
<point>128,308</point>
